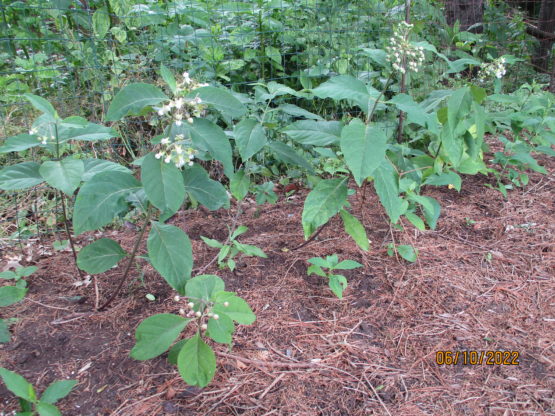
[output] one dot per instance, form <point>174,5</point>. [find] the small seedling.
<point>231,248</point>
<point>337,282</point>
<point>28,400</point>
<point>12,294</point>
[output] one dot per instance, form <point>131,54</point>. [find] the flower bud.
<point>198,314</point>
<point>191,305</point>
<point>181,311</point>
<point>216,316</point>
<point>226,304</point>
<point>204,327</point>
<point>176,298</point>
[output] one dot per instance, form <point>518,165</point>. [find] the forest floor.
<point>484,281</point>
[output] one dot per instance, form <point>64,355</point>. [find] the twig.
<point>312,237</point>
<point>272,384</point>
<point>129,264</point>
<point>47,306</point>
<point>69,236</point>
<point>377,396</point>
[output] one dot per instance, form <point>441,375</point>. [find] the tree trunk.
<point>546,24</point>
<point>467,12</point>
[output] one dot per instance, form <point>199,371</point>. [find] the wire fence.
<point>78,54</point>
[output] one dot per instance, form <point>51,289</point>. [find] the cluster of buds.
<point>190,313</point>
<point>175,152</point>
<point>181,108</point>
<point>495,69</point>
<point>401,53</point>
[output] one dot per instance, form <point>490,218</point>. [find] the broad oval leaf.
<point>96,166</point>
<point>102,198</point>
<point>407,252</point>
<point>11,294</point>
<point>317,133</point>
<point>211,138</point>
<point>196,362</point>
<point>208,192</point>
<point>64,175</point>
<point>386,184</point>
<point>18,385</point>
<point>89,133</point>
<point>345,87</point>
<point>204,287</point>
<point>57,390</point>
<point>364,149</point>
<point>221,100</point>
<point>287,154</point>
<point>221,329</point>
<point>170,252</point>
<point>250,137</point>
<point>100,256</point>
<point>132,99</point>
<point>156,334</point>
<point>47,409</point>
<point>21,176</point>
<point>101,22</point>
<point>42,105</point>
<point>168,77</point>
<point>19,143</point>
<point>239,185</point>
<point>163,184</point>
<point>323,202</point>
<point>237,309</point>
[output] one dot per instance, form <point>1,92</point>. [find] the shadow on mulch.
<point>484,281</point>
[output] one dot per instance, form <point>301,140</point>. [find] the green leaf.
<point>100,256</point>
<point>168,78</point>
<point>101,22</point>
<point>196,362</point>
<point>386,184</point>
<point>211,243</point>
<point>43,106</point>
<point>11,294</point>
<point>239,185</point>
<point>430,207</point>
<point>364,149</point>
<point>297,111</point>
<point>5,335</point>
<point>95,166</point>
<point>8,274</point>
<point>348,265</point>
<point>102,198</point>
<point>26,271</point>
<point>19,143</point>
<point>316,270</point>
<point>89,133</point>
<point>407,252</point>
<point>447,178</point>
<point>156,334</point>
<point>320,262</point>
<point>64,175</point>
<point>222,100</point>
<point>250,137</point>
<point>237,308</point>
<point>337,284</point>
<point>415,220</point>
<point>274,54</point>
<point>57,390</point>
<point>345,87</point>
<point>211,138</point>
<point>21,176</point>
<point>286,154</point>
<point>415,112</point>
<point>170,252</point>
<point>163,184</point>
<point>175,350</point>
<point>317,133</point>
<point>47,409</point>
<point>355,229</point>
<point>221,330</point>
<point>18,385</point>
<point>250,250</point>
<point>323,202</point>
<point>132,99</point>
<point>208,192</point>
<point>204,287</point>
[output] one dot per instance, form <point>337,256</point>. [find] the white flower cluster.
<point>495,69</point>
<point>402,54</point>
<point>182,108</point>
<point>174,152</point>
<point>198,314</point>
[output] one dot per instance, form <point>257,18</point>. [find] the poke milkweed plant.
<point>168,175</point>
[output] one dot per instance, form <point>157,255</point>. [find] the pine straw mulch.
<point>484,281</point>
